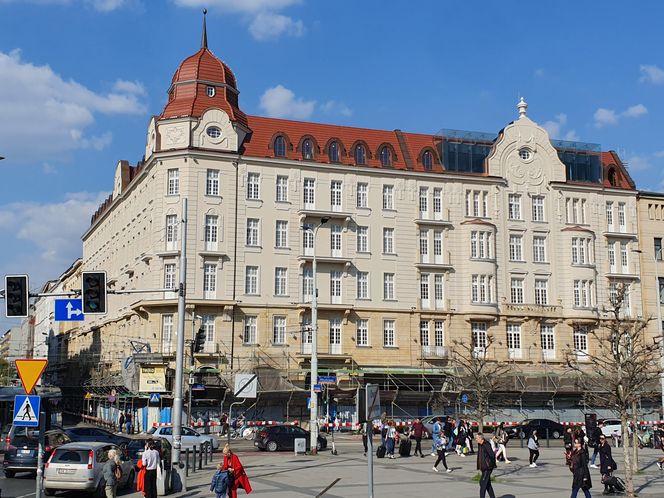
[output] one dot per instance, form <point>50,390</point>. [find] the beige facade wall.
<point>651,233</point>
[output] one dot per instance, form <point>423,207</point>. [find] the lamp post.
<point>313,396</point>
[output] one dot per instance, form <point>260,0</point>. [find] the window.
<point>622,227</point>
<point>208,330</point>
<point>624,257</point>
<point>424,333</point>
<point>362,332</point>
<point>516,290</point>
<point>438,203</point>
<point>308,239</point>
<point>514,211</point>
<point>213,131</point>
<point>253,180</point>
<point>424,290</point>
<point>363,195</point>
<point>210,280</point>
<point>388,240</point>
<point>171,232</point>
<point>581,250</point>
<point>539,249</point>
<point>481,289</point>
<point>362,239</point>
<point>251,280</point>
<point>280,282</point>
<point>611,250</point>
<point>438,246</point>
<point>609,216</point>
<point>282,189</point>
<point>388,197</point>
<point>307,149</point>
<point>281,234</point>
<point>335,195</point>
<point>513,341</point>
<point>360,155</point>
<point>424,202</point>
<point>541,292</point>
<point>548,340</point>
<point>307,284</point>
<point>481,245</point>
<point>335,287</point>
<point>516,252</point>
<point>575,210</point>
<point>211,231</point>
<point>524,154</point>
<point>280,146</point>
<point>661,291</point>
<point>479,337</point>
<point>439,290</point>
<point>333,152</point>
<point>252,231</point>
<point>279,330</point>
<point>538,208</point>
<point>335,336</point>
<point>210,91</point>
<point>167,334</point>
<point>309,193</point>
<point>389,339</point>
<point>427,160</point>
<point>581,339</point>
<point>583,293</point>
<point>424,246</point>
<point>658,248</point>
<point>212,182</point>
<point>388,286</point>
<point>439,333</point>
<point>250,330</point>
<point>385,157</point>
<point>169,276</point>
<point>335,240</point>
<point>362,285</point>
<point>173,182</point>
<point>477,203</point>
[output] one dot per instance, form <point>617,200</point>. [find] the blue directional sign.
<point>155,398</point>
<point>464,398</point>
<point>26,411</point>
<point>317,388</point>
<point>327,379</point>
<point>69,310</point>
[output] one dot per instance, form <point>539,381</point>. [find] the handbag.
<point>117,472</point>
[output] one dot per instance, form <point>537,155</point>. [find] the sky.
<point>79,80</point>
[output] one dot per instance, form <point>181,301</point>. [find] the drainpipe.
<point>237,170</point>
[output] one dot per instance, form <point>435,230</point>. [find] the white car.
<point>612,427</point>
<point>190,437</point>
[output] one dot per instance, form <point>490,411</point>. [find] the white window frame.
<point>167,346</point>
<point>307,285</point>
<point>211,232</point>
<point>210,280</point>
<point>622,218</point>
<point>424,202</point>
<point>212,182</point>
<point>279,330</point>
<point>539,214</point>
<point>388,197</point>
<point>336,243</point>
<point>281,281</point>
<point>388,287</point>
<point>516,247</point>
<point>514,341</point>
<point>308,239</point>
<point>480,338</point>
<point>362,239</point>
<point>172,225</point>
<point>173,184</point>
<point>281,188</point>
<point>424,291</point>
<point>251,280</point>
<point>542,291</point>
<point>335,337</point>
<point>514,207</point>
<point>362,332</point>
<point>424,245</point>
<point>438,203</point>
<point>580,335</point>
<point>253,232</point>
<point>253,186</point>
<point>281,234</point>
<point>335,286</point>
<point>309,193</point>
<point>539,249</point>
<point>250,330</point>
<point>169,279</point>
<point>362,285</point>
<point>362,195</point>
<point>389,333</point>
<point>548,341</point>
<point>336,195</point>
<point>516,290</point>
<point>439,290</point>
<point>388,240</point>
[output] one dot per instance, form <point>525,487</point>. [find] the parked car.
<point>524,429</point>
<point>190,437</point>
<point>282,437</point>
<point>612,427</point>
<point>136,446</point>
<point>78,467</point>
<point>429,420</point>
<point>92,433</point>
<point>22,451</point>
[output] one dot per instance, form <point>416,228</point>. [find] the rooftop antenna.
<point>204,36</point>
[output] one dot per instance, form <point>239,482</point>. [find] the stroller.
<point>613,484</point>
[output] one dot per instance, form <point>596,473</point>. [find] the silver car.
<point>190,437</point>
<point>78,467</point>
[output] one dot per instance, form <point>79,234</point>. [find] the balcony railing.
<point>435,352</point>
<point>533,309</point>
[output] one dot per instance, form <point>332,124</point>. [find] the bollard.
<point>193,467</point>
<point>205,453</point>
<point>186,463</point>
<point>211,453</point>
<point>200,457</point>
<point>521,436</point>
<point>548,442</point>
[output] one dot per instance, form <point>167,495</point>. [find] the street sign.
<point>26,411</point>
<point>88,396</point>
<point>373,401</point>
<point>69,310</point>
<point>30,371</point>
<point>317,388</point>
<point>246,385</point>
<point>327,379</point>
<point>155,398</point>
<point>464,398</point>
<point>198,387</point>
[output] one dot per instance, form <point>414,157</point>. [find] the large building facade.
<point>422,241</point>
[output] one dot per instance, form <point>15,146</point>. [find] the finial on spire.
<point>522,106</point>
<point>204,36</point>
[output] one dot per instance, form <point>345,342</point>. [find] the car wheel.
<point>555,434</point>
<point>9,473</point>
<point>49,492</point>
<point>319,446</point>
<point>272,446</point>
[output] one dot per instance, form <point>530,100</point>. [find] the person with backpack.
<point>221,481</point>
<point>580,472</point>
<point>440,450</point>
<point>533,448</point>
<point>486,462</point>
<point>234,467</point>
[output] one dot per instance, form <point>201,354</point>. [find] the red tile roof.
<point>622,179</point>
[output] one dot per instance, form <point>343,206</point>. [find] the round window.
<point>525,154</point>
<point>213,132</point>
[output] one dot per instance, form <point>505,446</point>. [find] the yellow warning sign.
<point>88,396</point>
<point>30,371</point>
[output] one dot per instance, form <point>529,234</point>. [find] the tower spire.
<point>204,35</point>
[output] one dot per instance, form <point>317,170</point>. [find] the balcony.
<point>435,353</point>
<point>341,260</point>
<point>537,310</point>
<point>620,233</point>
<point>439,220</point>
<point>435,261</point>
<point>331,213</point>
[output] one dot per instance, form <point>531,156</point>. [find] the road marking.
<point>328,488</point>
<point>26,496</point>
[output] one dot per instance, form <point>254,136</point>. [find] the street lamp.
<point>313,396</point>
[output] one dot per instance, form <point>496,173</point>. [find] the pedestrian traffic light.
<point>199,341</point>
<point>16,296</point>
<point>94,292</point>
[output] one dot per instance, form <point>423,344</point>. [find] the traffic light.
<point>16,296</point>
<point>94,292</point>
<point>199,341</point>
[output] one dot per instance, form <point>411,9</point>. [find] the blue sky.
<point>79,80</point>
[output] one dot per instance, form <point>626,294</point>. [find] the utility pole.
<point>179,480</point>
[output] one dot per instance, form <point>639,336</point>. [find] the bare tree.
<point>618,370</point>
<point>478,374</point>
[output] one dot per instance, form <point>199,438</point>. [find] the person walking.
<point>150,460</point>
<point>440,450</point>
<point>417,430</point>
<point>111,474</point>
<point>580,472</point>
<point>233,465</point>
<point>390,439</point>
<point>533,448</point>
<point>128,421</point>
<point>121,422</point>
<point>606,464</point>
<point>486,462</point>
<point>221,482</point>
<point>595,442</point>
<point>435,435</point>
<point>364,431</point>
<point>501,443</point>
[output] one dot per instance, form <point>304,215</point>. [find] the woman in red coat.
<point>240,480</point>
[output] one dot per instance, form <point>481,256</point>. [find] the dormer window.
<point>307,149</point>
<point>427,160</point>
<point>280,146</point>
<point>334,152</point>
<point>211,91</point>
<point>386,157</point>
<point>360,155</point>
<point>612,177</point>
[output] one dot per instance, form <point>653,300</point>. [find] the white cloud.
<point>638,163</point>
<point>605,117</point>
<point>124,86</point>
<point>651,74</point>
<point>239,6</point>
<point>269,26</point>
<point>555,128</point>
<point>635,111</point>
<point>333,107</point>
<point>571,135</point>
<point>44,116</point>
<point>99,5</point>
<point>280,102</point>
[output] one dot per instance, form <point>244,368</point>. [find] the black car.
<point>94,434</point>
<point>282,437</point>
<point>22,451</point>
<point>136,446</point>
<point>523,430</point>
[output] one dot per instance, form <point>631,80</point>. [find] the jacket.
<point>109,472</point>
<point>240,479</point>
<point>221,481</point>
<point>418,429</point>
<point>436,431</point>
<point>580,471</point>
<point>532,443</point>
<point>606,463</point>
<point>486,458</point>
<point>140,477</point>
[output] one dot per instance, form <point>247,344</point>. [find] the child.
<point>221,481</point>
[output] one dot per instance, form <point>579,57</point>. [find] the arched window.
<point>360,155</point>
<point>333,152</point>
<point>427,160</point>
<point>385,156</point>
<point>307,149</point>
<point>612,177</point>
<point>280,146</point>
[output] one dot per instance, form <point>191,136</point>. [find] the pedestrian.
<point>449,426</point>
<point>233,465</point>
<point>121,422</point>
<point>112,473</point>
<point>221,481</point>
<point>580,472</point>
<point>128,421</point>
<point>440,451</point>
<point>435,435</point>
<point>390,436</point>
<point>533,448</point>
<point>499,450</point>
<point>606,463</point>
<point>417,430</point>
<point>486,462</point>
<point>461,435</point>
<point>594,441</point>
<point>364,431</point>
<point>501,442</point>
<point>151,461</point>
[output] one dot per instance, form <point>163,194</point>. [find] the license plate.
<point>24,452</point>
<point>66,471</point>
